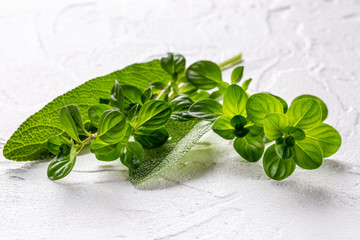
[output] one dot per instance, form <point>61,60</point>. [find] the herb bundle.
<point>154,112</point>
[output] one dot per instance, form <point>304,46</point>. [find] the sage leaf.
<point>204,75</point>
<point>276,168</point>
<point>327,137</point>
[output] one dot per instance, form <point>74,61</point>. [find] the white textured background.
<point>290,48</point>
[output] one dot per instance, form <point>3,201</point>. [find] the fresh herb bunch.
<point>132,120</point>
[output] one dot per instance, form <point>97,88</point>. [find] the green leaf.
<point>188,88</point>
<point>173,63</point>
<point>223,128</point>
<point>132,155</point>
<point>239,122</point>
<point>250,148</point>
<point>237,74</point>
<point>304,113</point>
<point>274,125</point>
<point>204,75</point>
<point>235,99</point>
<point>255,130</point>
<point>276,168</point>
<point>146,96</point>
<point>71,121</point>
<point>218,95</point>
<point>324,109</point>
<point>261,104</point>
<point>117,96</point>
<point>95,112</point>
<point>197,96</point>
<point>132,96</point>
<point>222,86</point>
<point>154,114</point>
<point>62,164</point>
<point>246,84</point>
<point>327,137</point>
<point>207,109</point>
<point>283,102</point>
<point>297,133</point>
<point>183,135</point>
<point>132,115</point>
<point>284,149</point>
<point>55,142</point>
<point>29,142</point>
<point>104,151</point>
<point>308,154</point>
<point>180,103</point>
<point>182,116</point>
<point>149,138</point>
<point>112,127</point>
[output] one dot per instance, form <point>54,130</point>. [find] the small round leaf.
<point>274,125</point>
<point>308,154</point>
<point>276,168</point>
<point>154,114</point>
<point>250,148</point>
<point>304,113</point>
<point>235,99</point>
<point>204,75</point>
<point>223,128</point>
<point>206,109</point>
<point>150,139</point>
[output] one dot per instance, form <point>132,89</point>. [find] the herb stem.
<point>231,62</point>
<point>89,139</point>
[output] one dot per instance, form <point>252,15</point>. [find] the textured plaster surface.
<point>290,48</point>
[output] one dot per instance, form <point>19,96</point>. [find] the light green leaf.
<point>95,112</point>
<point>204,75</point>
<point>276,168</point>
<point>223,128</point>
<point>274,125</point>
<point>308,154</point>
<point>206,109</point>
<point>149,138</point>
<point>250,148</point>
<point>234,101</point>
<point>154,114</point>
<point>324,109</point>
<point>283,102</point>
<point>104,151</point>
<point>327,137</point>
<point>304,113</point>
<point>54,143</point>
<point>246,84</point>
<point>29,142</point>
<point>112,127</point>
<point>237,74</point>
<point>132,155</point>
<point>261,104</point>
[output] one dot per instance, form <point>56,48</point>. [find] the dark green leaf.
<point>173,63</point>
<point>149,138</point>
<point>261,104</point>
<point>327,137</point>
<point>182,116</point>
<point>95,112</point>
<point>54,143</point>
<point>204,75</point>
<point>207,109</point>
<point>104,151</point>
<point>112,127</point>
<point>154,114</point>
<point>117,97</point>
<point>132,115</point>
<point>188,88</point>
<point>255,130</point>
<point>297,133</point>
<point>324,109</point>
<point>71,121</point>
<point>62,164</point>
<point>132,155</point>
<point>223,128</point>
<point>238,121</point>
<point>308,154</point>
<point>304,113</point>
<point>235,99</point>
<point>237,74</point>
<point>276,168</point>
<point>180,103</point>
<point>146,96</point>
<point>249,147</point>
<point>274,125</point>
<point>284,150</point>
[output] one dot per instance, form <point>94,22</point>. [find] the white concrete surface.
<point>290,47</point>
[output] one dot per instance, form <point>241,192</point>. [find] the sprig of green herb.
<point>133,120</point>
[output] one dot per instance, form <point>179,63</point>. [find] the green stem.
<point>231,62</point>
